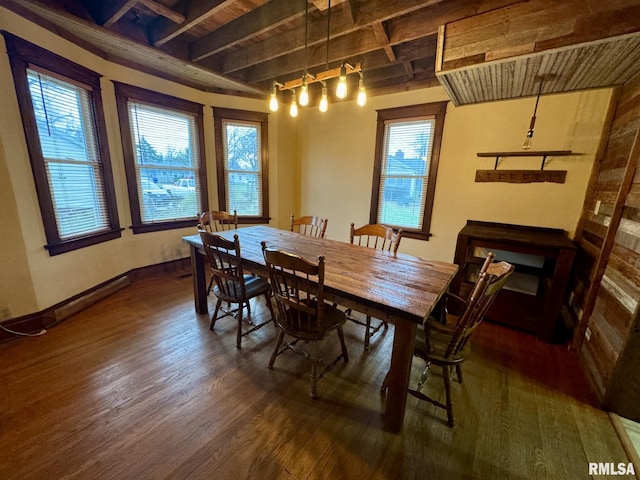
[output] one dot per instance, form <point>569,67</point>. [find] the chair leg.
<point>277,349</point>
<point>423,377</point>
<point>345,355</point>
<point>459,373</point>
<point>446,373</point>
<point>314,369</point>
<point>239,335</point>
<point>214,317</point>
<point>367,332</point>
<point>267,299</point>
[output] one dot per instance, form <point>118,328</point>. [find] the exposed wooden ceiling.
<point>243,46</point>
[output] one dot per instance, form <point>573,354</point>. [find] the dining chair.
<point>309,225</point>
<point>231,285</point>
<point>380,237</point>
<point>218,221</point>
<point>445,340</point>
<point>302,315</point>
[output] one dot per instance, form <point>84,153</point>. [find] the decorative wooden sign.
<point>521,176</point>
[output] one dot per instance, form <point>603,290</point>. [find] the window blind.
<point>68,140</point>
<point>165,144</point>
<point>243,167</point>
<point>406,158</point>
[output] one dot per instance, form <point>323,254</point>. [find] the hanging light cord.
<point>328,32</point>
<point>306,35</point>
<point>535,110</point>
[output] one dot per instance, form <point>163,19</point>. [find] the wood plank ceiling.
<point>244,46</point>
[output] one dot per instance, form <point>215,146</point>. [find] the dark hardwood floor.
<point>137,387</point>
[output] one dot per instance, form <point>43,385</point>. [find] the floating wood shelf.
<point>523,176</point>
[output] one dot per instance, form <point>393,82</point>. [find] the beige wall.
<point>31,279</point>
<point>338,150</point>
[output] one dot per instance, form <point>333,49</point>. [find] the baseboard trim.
<point>35,322</point>
<point>626,442</point>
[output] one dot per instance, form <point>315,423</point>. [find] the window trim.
<point>126,92</point>
<point>436,110</point>
<point>221,114</point>
<point>23,55</point>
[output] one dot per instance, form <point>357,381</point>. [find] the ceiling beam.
<point>197,12</point>
<point>410,26</point>
<point>258,21</point>
<point>383,40</point>
<point>370,12</point>
<point>119,13</point>
<point>360,46</point>
<point>120,49</point>
<point>160,9</point>
<point>348,11</point>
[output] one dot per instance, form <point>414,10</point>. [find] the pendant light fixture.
<point>324,100</point>
<point>293,109</point>
<point>304,89</point>
<point>528,139</point>
<point>273,100</point>
<point>362,93</point>
<point>307,78</point>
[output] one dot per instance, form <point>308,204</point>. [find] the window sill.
<point>161,226</point>
<point>253,220</point>
<point>77,243</point>
<point>416,234</point>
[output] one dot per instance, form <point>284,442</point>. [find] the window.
<point>61,109</point>
<point>241,159</point>
<point>406,163</point>
<point>162,140</point>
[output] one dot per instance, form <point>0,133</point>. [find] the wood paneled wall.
<point>606,275</point>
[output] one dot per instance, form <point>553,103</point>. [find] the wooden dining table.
<point>401,289</point>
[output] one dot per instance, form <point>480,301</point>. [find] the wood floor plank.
<point>137,386</point>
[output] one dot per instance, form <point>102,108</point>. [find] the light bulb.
<point>273,102</point>
<point>304,92</point>
<point>362,94</point>
<point>293,110</point>
<point>324,102</point>
<point>341,91</point>
<point>527,141</point>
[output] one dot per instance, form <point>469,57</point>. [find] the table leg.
<point>198,274</point>
<point>398,379</point>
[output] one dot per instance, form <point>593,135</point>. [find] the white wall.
<point>338,154</point>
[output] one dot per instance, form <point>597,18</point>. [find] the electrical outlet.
<point>596,209</point>
<point>5,313</point>
<point>587,334</point>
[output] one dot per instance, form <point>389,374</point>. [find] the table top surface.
<point>402,284</point>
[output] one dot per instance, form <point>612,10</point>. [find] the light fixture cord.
<point>538,98</point>
<point>306,36</point>
<point>328,31</point>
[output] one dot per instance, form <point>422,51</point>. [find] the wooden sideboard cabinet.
<point>532,298</point>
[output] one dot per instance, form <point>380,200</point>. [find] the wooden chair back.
<point>297,286</point>
<point>218,221</point>
<point>491,278</point>
<point>309,225</point>
<point>226,265</point>
<point>377,236</point>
